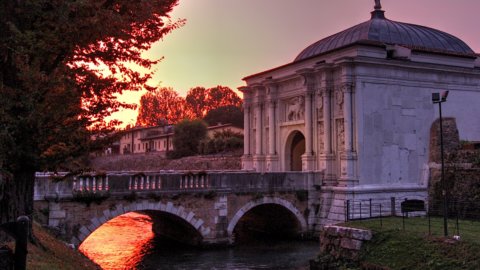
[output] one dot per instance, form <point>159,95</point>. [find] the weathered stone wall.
<point>462,171</point>
<point>339,248</point>
<point>343,242</point>
<point>451,139</point>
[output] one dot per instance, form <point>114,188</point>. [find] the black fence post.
<point>347,217</point>
<point>392,205</point>
<point>370,205</point>
<point>22,231</point>
<point>19,230</point>
<point>381,221</point>
<point>360,209</point>
<point>458,224</point>
<point>429,223</point>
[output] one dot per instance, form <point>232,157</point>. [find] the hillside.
<point>155,162</point>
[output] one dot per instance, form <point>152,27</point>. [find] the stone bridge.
<point>198,208</point>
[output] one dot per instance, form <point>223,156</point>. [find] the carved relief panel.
<point>338,94</point>
<point>340,128</point>
<point>319,104</point>
<point>295,108</point>
<point>321,137</point>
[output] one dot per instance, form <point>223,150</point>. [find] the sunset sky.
<point>226,40</point>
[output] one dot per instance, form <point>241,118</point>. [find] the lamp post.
<point>440,98</point>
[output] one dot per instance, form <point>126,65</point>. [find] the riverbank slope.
<point>156,162</point>
<point>411,247</point>
<point>50,253</point>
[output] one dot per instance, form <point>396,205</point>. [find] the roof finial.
<point>378,13</point>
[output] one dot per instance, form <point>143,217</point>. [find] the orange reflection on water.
<point>120,243</point>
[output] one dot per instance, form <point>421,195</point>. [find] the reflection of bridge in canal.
<point>199,208</point>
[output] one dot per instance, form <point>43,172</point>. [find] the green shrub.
<point>87,197</point>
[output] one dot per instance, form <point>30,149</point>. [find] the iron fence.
<point>463,218</point>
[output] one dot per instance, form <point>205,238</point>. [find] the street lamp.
<point>440,98</point>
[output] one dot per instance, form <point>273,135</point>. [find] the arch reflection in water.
<point>120,243</point>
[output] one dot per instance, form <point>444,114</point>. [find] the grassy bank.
<point>51,254</point>
<point>394,247</point>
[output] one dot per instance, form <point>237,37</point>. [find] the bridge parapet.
<point>63,186</point>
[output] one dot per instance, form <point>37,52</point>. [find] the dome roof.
<point>379,30</point>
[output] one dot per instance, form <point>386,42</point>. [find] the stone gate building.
<point>357,106</point>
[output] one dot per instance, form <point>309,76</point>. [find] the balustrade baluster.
<point>130,183</point>
<point>80,184</point>
<point>106,183</point>
<point>135,186</point>
<point>74,187</point>
<point>87,183</point>
<point>94,184</point>
<point>100,183</point>
<point>147,184</point>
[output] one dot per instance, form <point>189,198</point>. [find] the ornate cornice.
<point>308,76</point>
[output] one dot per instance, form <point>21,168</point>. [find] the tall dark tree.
<point>187,137</point>
<point>226,115</point>
<point>54,96</point>
<point>162,105</point>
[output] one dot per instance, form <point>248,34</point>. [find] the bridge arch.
<point>120,209</point>
<point>267,200</point>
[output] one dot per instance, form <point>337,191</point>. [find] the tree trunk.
<point>16,196</point>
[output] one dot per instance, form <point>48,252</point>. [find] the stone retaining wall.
<point>343,242</point>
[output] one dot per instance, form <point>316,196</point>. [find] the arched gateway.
<point>294,150</point>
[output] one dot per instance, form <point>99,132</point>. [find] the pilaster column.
<point>327,120</point>
<point>246,133</point>
<point>258,129</point>
<point>247,162</point>
<point>327,159</point>
<point>348,117</point>
<point>308,159</point>
<point>272,157</point>
<point>271,127</point>
<point>272,161</point>
<point>308,124</point>
<point>348,158</point>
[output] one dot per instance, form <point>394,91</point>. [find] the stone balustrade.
<point>62,186</point>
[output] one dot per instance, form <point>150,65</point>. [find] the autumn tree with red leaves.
<point>161,106</point>
<point>200,101</point>
<point>165,104</point>
<point>54,94</point>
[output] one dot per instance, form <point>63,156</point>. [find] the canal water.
<point>127,242</point>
